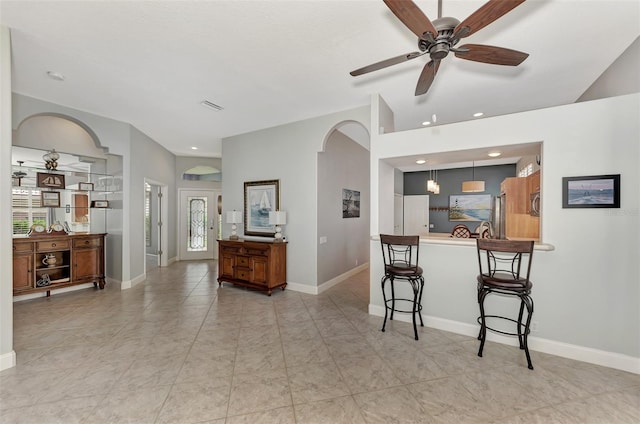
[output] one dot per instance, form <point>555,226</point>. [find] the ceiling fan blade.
<point>385,63</point>
<point>427,76</point>
<point>491,54</point>
<point>486,14</point>
<point>412,17</point>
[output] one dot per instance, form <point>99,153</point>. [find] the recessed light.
<point>55,75</point>
<point>494,154</point>
<point>194,148</point>
<point>478,114</point>
<point>425,123</point>
<point>421,161</point>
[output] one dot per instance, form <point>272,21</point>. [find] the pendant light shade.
<point>473,186</point>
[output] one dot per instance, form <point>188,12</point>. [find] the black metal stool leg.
<point>421,280</point>
<point>483,323</point>
<point>386,307</point>
<point>520,323</point>
<point>415,307</point>
<point>393,298</point>
<point>529,302</point>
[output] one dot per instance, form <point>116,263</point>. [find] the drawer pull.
<point>53,245</point>
<point>86,242</point>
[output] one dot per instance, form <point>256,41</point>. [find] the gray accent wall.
<point>450,181</point>
<point>343,165</point>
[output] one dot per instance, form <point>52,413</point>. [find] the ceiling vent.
<point>212,106</point>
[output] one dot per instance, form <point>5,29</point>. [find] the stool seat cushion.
<point>505,281</point>
<point>402,270</point>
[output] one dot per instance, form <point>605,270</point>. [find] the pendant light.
<point>473,186</point>
<point>431,184</point>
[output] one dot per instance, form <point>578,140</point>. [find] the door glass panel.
<point>197,217</point>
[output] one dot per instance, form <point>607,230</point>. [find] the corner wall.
<point>287,153</point>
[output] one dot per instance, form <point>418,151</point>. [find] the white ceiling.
<point>272,62</point>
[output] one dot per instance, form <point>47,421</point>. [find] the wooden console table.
<point>45,263</point>
<point>255,264</point>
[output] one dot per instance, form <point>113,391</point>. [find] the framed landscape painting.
<point>260,198</point>
<point>350,203</point>
<point>597,191</point>
<point>470,207</point>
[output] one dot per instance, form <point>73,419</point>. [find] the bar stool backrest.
<point>400,252</point>
<point>505,259</point>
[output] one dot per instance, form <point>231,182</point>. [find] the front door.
<point>198,224</point>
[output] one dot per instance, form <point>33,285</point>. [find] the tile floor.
<point>177,349</point>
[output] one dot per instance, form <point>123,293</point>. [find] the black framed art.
<point>596,191</point>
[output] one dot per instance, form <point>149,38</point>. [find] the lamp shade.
<point>472,186</point>
<point>234,217</point>
<point>277,218</point>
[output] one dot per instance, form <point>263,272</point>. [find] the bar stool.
<point>400,255</point>
<point>505,266</point>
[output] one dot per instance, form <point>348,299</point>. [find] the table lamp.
<point>278,218</point>
<point>234,217</point>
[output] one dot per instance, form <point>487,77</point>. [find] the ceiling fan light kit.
<point>440,37</point>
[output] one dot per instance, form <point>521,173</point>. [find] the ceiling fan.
<point>440,37</point>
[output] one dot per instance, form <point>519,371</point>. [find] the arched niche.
<point>63,133</point>
<point>202,173</point>
<point>351,129</point>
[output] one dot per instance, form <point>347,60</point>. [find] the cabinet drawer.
<point>23,247</point>
<point>231,249</point>
<point>243,274</point>
<point>88,242</point>
<point>257,251</point>
<point>52,245</point>
<point>242,261</point>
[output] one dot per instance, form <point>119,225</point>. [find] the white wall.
<point>158,164</point>
<point>343,165</point>
<point>586,290</point>
<point>7,355</point>
<point>287,153</point>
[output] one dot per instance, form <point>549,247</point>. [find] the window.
<point>526,171</point>
<point>26,210</point>
<point>147,214</point>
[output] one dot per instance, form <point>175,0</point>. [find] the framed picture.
<point>85,186</point>
<point>50,198</point>
<point>470,207</point>
<point>260,198</point>
<point>47,180</point>
<point>350,203</point>
<point>99,203</point>
<point>597,191</point>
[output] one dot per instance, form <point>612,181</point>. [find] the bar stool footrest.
<point>419,307</point>
<point>523,326</point>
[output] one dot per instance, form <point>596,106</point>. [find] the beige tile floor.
<point>177,349</point>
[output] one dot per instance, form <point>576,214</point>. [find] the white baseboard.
<point>340,278</point>
<point>8,360</point>
<point>305,288</point>
<point>172,260</point>
<point>552,347</point>
<point>124,285</point>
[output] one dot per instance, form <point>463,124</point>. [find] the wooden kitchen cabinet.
<point>520,222</point>
<point>255,264</point>
<point>48,262</point>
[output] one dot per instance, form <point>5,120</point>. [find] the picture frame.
<point>85,186</point>
<point>350,203</point>
<point>48,180</point>
<point>50,199</point>
<point>260,198</point>
<point>99,203</point>
<point>470,207</point>
<point>594,191</point>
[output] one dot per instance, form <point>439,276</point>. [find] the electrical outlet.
<point>534,326</point>
<point>431,226</point>
<point>356,262</point>
<point>323,240</point>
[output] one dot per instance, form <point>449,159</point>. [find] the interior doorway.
<point>155,233</point>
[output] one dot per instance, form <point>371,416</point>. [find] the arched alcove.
<point>343,178</point>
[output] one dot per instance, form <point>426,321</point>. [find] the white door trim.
<point>164,230</point>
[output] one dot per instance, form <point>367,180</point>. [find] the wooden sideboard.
<point>255,264</point>
<point>66,260</point>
